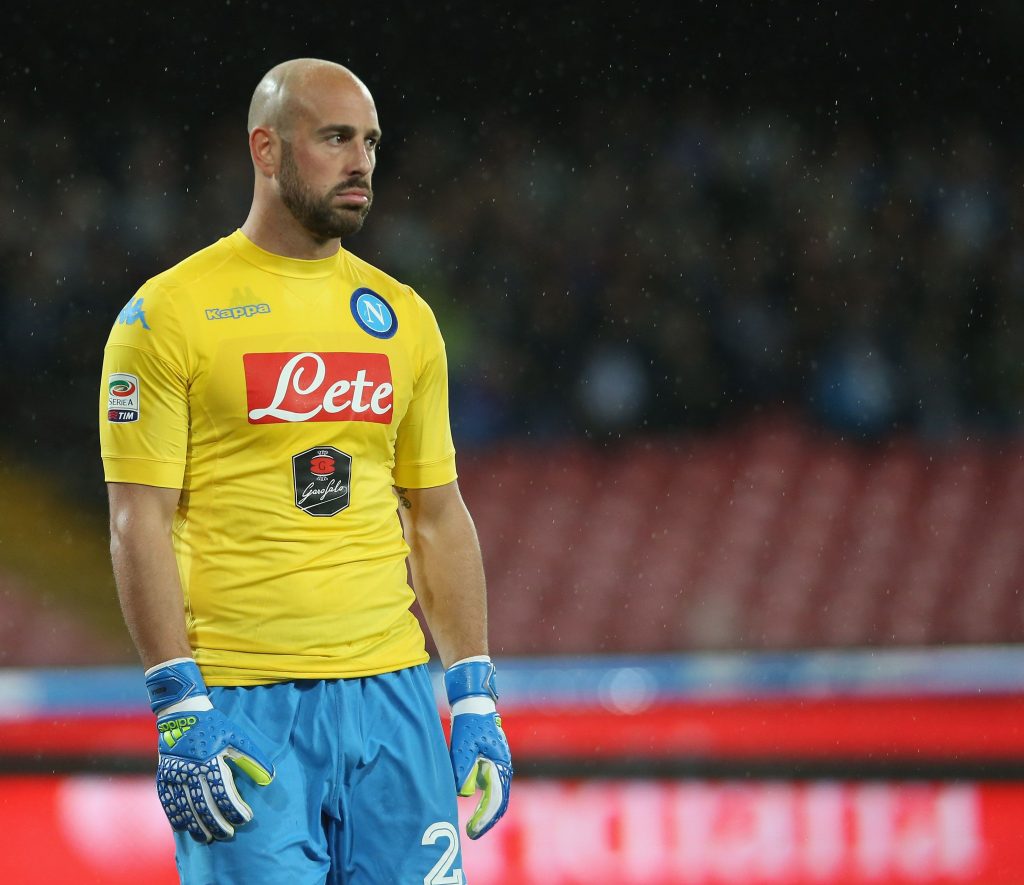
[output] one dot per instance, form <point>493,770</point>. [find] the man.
<point>267,406</point>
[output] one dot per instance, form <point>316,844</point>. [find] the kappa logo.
<point>298,387</point>
<point>132,312</point>
<point>122,398</point>
<point>235,313</point>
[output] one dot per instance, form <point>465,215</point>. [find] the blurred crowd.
<point>641,268</point>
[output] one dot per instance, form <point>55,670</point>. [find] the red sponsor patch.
<point>284,388</point>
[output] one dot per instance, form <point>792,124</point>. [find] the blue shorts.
<point>364,791</point>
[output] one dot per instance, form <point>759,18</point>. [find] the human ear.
<point>265,148</point>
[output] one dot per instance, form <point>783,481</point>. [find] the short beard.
<point>317,214</point>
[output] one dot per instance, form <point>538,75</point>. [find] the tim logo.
<point>132,312</point>
<point>297,387</point>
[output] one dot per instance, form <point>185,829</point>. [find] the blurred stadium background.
<point>733,302</point>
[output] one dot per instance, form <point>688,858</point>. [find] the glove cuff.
<point>469,678</point>
<point>172,682</point>
<point>481,705</point>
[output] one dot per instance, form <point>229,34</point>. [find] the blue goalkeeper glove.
<point>480,754</point>
<point>195,785</point>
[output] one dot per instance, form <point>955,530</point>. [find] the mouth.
<point>354,196</point>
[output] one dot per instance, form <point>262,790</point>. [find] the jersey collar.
<point>281,264</point>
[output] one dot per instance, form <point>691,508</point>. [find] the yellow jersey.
<point>284,398</point>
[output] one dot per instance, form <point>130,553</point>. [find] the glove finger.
<point>197,831</point>
<point>469,782</point>
<point>172,779</point>
<point>495,780</point>
<point>204,806</point>
<point>225,793</point>
<point>189,820</point>
<point>175,804</point>
<point>253,761</point>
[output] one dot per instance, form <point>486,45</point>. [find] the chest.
<point>299,355</point>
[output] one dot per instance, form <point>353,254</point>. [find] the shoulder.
<point>384,284</point>
<point>153,311</point>
<point>195,269</point>
<point>407,303</point>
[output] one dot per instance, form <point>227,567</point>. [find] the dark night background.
<point>635,222</point>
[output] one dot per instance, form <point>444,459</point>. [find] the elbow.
<point>419,556</point>
<point>424,597</point>
<point>120,527</point>
<point>129,523</point>
<point>422,534</point>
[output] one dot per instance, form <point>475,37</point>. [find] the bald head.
<point>290,88</point>
<point>313,137</point>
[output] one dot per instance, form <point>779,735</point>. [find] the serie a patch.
<point>122,398</point>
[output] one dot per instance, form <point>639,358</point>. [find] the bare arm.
<point>145,570</point>
<point>447,569</point>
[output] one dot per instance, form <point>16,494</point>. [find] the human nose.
<point>360,159</point>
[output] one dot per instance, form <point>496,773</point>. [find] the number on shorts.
<point>442,873</point>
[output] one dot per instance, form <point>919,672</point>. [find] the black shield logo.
<point>321,476</point>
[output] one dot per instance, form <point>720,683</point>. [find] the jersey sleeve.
<point>144,410</point>
<point>424,451</point>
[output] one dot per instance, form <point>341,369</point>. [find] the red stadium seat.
<point>774,537</point>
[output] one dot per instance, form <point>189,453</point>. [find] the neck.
<point>283,235</point>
